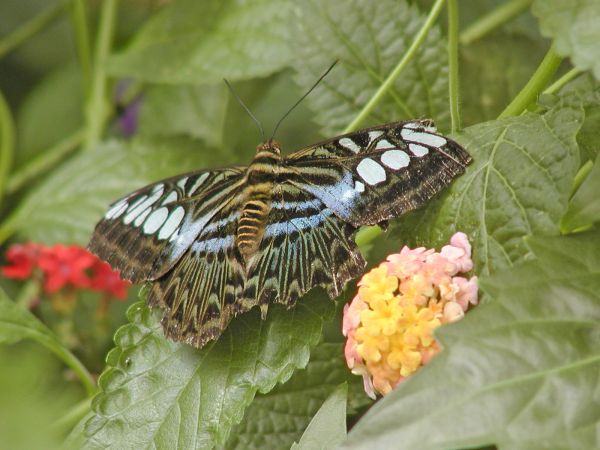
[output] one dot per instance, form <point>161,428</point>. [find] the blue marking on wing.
<point>295,206</point>
<point>341,197</point>
<point>296,223</point>
<point>212,245</point>
<point>213,226</point>
<point>190,229</point>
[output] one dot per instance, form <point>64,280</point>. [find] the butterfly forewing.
<point>144,234</point>
<point>379,173</point>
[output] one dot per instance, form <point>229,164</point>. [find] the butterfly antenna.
<point>302,98</point>
<point>252,116</point>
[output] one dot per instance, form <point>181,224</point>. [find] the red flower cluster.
<point>63,266</point>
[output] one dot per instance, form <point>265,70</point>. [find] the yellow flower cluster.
<point>389,324</point>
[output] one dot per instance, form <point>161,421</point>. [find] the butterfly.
<point>217,242</point>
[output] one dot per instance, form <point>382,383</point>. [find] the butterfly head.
<point>270,147</point>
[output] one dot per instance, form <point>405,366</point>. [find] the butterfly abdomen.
<point>251,225</point>
<point>256,203</point>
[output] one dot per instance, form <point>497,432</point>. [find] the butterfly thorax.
<point>255,201</point>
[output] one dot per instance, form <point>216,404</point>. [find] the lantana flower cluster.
<point>390,322</point>
<point>63,267</point>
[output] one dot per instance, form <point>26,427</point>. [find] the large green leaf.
<point>159,394</point>
<point>197,111</point>
<point>276,419</point>
<point>520,371</point>
<point>328,427</point>
<point>573,25</point>
<point>202,42</point>
<point>66,205</point>
<point>368,39</point>
<point>518,185</point>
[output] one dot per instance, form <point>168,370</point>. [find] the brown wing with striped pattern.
<point>304,245</point>
<point>379,173</point>
<point>145,233</point>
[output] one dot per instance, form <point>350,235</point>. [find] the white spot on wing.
<point>181,183</point>
<point>384,144</point>
<point>155,220</point>
<point>175,235</point>
<point>349,144</point>
<point>395,159</point>
<point>140,219</point>
<point>374,135</point>
<point>116,210</point>
<point>133,213</point>
<point>359,187</point>
<point>371,171</point>
<point>418,150</point>
<point>421,126</point>
<point>201,179</point>
<point>172,223</point>
<point>137,202</point>
<point>432,140</point>
<point>170,198</point>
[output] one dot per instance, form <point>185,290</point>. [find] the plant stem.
<point>534,86</point>
<point>44,161</point>
<point>71,360</point>
<point>97,111</point>
<point>492,20</point>
<point>7,143</point>
<point>389,81</point>
<point>82,41</point>
<point>558,84</point>
<point>31,28</point>
<point>453,79</point>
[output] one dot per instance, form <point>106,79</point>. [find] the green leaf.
<point>582,93</point>
<point>328,428</point>
<point>276,419</point>
<point>573,26</point>
<point>203,42</point>
<point>196,111</point>
<point>60,94</point>
<point>584,207</point>
<point>156,392</point>
<point>518,185</point>
<point>518,372</point>
<point>494,70</point>
<point>67,204</point>
<point>368,39</point>
<point>17,323</point>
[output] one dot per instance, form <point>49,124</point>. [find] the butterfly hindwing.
<point>304,245</point>
<point>144,234</point>
<point>203,290</point>
<point>379,173</point>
